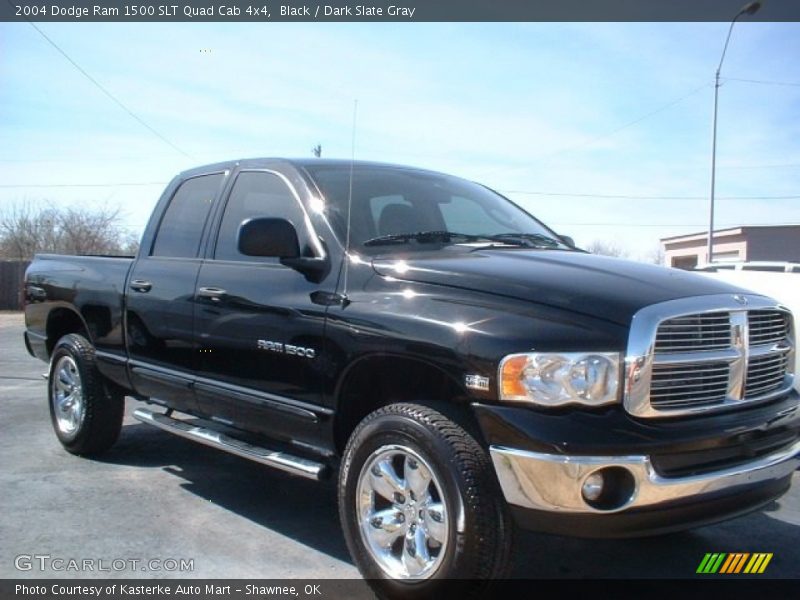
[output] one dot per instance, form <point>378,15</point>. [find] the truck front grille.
<point>765,374</point>
<point>694,332</point>
<point>691,385</point>
<point>767,327</point>
<point>729,351</point>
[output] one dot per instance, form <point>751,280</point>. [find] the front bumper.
<point>660,476</point>
<point>553,483</point>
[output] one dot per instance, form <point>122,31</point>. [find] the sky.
<point>602,130</point>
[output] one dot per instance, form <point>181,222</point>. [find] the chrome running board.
<point>271,458</point>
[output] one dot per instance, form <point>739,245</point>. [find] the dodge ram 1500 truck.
<point>460,367</point>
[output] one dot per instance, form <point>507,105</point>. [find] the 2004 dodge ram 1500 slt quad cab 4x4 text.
<point>460,367</point>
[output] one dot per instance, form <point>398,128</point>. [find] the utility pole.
<point>747,9</point>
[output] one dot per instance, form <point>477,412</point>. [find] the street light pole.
<point>747,9</point>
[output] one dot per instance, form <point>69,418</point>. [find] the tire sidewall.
<point>67,346</point>
<point>391,429</point>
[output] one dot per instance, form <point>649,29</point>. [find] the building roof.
<point>740,230</point>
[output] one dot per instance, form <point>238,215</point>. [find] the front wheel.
<point>419,504</point>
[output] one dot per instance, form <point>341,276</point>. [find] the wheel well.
<point>61,322</point>
<point>378,381</point>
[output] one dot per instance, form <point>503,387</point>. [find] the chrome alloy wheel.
<point>67,395</point>
<point>402,513</point>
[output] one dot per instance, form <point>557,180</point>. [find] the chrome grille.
<point>708,353</point>
<point>690,385</point>
<point>694,332</point>
<point>767,327</point>
<point>765,374</point>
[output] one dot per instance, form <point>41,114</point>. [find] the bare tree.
<point>26,229</point>
<point>656,255</point>
<point>606,249</point>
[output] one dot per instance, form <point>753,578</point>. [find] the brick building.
<point>745,243</point>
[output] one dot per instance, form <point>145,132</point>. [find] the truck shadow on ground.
<point>306,511</point>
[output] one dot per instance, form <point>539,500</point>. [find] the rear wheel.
<point>420,506</point>
<point>85,410</point>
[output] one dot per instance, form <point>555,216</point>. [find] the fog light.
<point>609,488</point>
<point>593,487</point>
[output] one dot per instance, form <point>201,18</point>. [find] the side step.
<point>272,458</point>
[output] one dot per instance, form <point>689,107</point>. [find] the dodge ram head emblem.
<point>740,299</point>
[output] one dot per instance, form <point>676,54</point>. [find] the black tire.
<point>478,547</point>
<point>90,422</point>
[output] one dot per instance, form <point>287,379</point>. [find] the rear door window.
<point>181,228</point>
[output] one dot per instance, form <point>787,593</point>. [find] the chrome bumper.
<point>551,482</point>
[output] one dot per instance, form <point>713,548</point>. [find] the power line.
<point>73,159</point>
<point>635,225</point>
<point>521,192</point>
<point>763,82</point>
<point>632,197</point>
<point>81,185</point>
<point>626,125</point>
<point>109,94</point>
<point>774,166</point>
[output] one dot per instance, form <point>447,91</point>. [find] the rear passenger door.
<point>159,315</point>
<point>259,335</point>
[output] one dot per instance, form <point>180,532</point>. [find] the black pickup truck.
<point>459,366</point>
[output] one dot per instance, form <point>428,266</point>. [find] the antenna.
<point>349,206</point>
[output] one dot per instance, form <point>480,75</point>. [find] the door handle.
<point>212,293</point>
<point>140,285</point>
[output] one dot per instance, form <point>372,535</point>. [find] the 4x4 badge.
<point>477,382</point>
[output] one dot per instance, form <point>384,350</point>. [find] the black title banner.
<point>391,11</point>
<point>356,589</point>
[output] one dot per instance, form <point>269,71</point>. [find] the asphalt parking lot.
<point>156,496</point>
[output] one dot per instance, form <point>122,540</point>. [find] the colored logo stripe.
<point>759,562</point>
<point>711,563</point>
<point>733,563</point>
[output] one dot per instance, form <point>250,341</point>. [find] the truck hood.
<point>599,286</point>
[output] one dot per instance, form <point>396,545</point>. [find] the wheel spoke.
<point>418,478</point>
<point>75,409</point>
<point>435,521</point>
<point>65,403</point>
<point>384,480</point>
<point>65,377</point>
<point>415,551</point>
<point>385,526</point>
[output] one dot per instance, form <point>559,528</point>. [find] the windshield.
<point>394,205</point>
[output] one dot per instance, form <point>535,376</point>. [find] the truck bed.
<point>94,285</point>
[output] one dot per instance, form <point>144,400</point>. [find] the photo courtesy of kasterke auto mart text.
<point>461,368</point>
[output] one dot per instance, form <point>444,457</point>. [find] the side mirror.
<point>568,241</point>
<point>268,237</point>
<point>278,238</point>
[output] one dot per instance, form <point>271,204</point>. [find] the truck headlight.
<point>555,379</point>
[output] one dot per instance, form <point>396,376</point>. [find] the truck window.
<point>181,227</point>
<point>255,194</point>
<point>389,201</point>
<point>465,215</point>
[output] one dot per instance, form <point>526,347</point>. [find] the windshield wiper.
<point>526,240</point>
<point>426,237</point>
<point>530,240</point>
